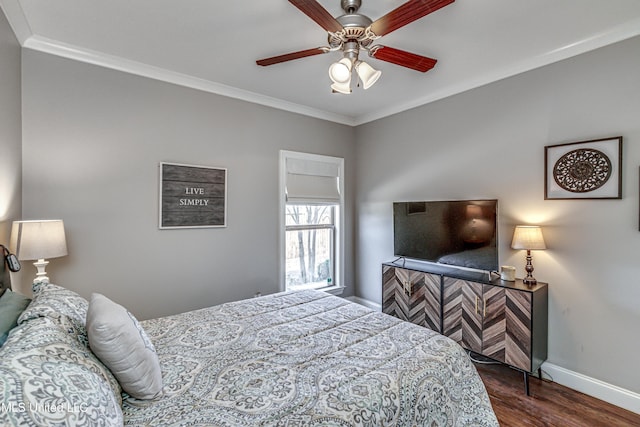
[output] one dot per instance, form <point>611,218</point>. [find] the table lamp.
<point>38,240</point>
<point>528,237</point>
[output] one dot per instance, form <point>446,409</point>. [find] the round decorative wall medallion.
<point>582,170</point>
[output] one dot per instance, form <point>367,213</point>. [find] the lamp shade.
<point>33,240</point>
<point>528,237</point>
<point>474,212</point>
<point>367,74</point>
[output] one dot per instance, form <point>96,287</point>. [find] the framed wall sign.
<point>584,170</point>
<point>192,196</point>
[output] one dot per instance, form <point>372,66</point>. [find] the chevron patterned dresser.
<point>504,321</point>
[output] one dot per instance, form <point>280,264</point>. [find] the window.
<point>312,215</point>
<point>309,250</point>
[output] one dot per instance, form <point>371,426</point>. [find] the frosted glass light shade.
<point>340,72</point>
<point>367,74</point>
<point>33,240</point>
<point>528,237</point>
<point>342,87</point>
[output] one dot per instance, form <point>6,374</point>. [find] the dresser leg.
<point>526,383</point>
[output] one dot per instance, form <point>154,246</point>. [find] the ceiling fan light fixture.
<point>354,32</point>
<point>340,72</point>
<point>368,75</point>
<point>344,88</point>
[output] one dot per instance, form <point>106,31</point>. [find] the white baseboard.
<point>372,305</point>
<point>610,393</point>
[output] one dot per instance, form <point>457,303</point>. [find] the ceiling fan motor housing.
<point>350,6</point>
<point>354,26</point>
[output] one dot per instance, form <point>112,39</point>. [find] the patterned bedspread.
<point>307,359</point>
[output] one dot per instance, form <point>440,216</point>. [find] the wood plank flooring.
<point>549,404</point>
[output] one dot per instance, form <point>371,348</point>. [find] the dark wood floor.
<point>549,404</point>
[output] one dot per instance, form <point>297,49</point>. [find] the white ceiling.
<point>213,45</point>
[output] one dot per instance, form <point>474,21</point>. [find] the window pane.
<point>308,258</point>
<point>309,214</point>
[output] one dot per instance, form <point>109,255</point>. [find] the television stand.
<point>504,321</point>
<point>404,260</point>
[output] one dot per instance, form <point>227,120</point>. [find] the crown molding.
<point>616,34</point>
<point>88,56</point>
<point>27,39</point>
<point>17,20</point>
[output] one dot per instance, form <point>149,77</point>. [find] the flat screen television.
<point>461,233</point>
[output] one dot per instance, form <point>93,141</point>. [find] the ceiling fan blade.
<point>291,56</point>
<point>403,58</point>
<point>406,14</point>
<point>315,11</point>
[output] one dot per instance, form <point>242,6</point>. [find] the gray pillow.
<point>11,306</point>
<point>117,338</point>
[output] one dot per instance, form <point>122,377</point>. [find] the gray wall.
<point>93,139</point>
<point>489,143</point>
<point>10,130</point>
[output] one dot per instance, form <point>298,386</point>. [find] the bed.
<point>301,358</point>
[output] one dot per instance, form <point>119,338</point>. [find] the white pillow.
<point>116,337</point>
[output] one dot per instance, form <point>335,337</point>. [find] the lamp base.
<point>529,280</point>
<point>41,276</point>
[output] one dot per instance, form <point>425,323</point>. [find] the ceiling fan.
<point>354,32</point>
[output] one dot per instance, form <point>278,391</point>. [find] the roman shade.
<point>312,181</point>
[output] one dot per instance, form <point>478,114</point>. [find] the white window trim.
<point>338,286</point>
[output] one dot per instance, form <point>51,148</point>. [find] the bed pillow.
<point>11,306</point>
<point>117,338</point>
<point>48,379</point>
<point>65,307</point>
